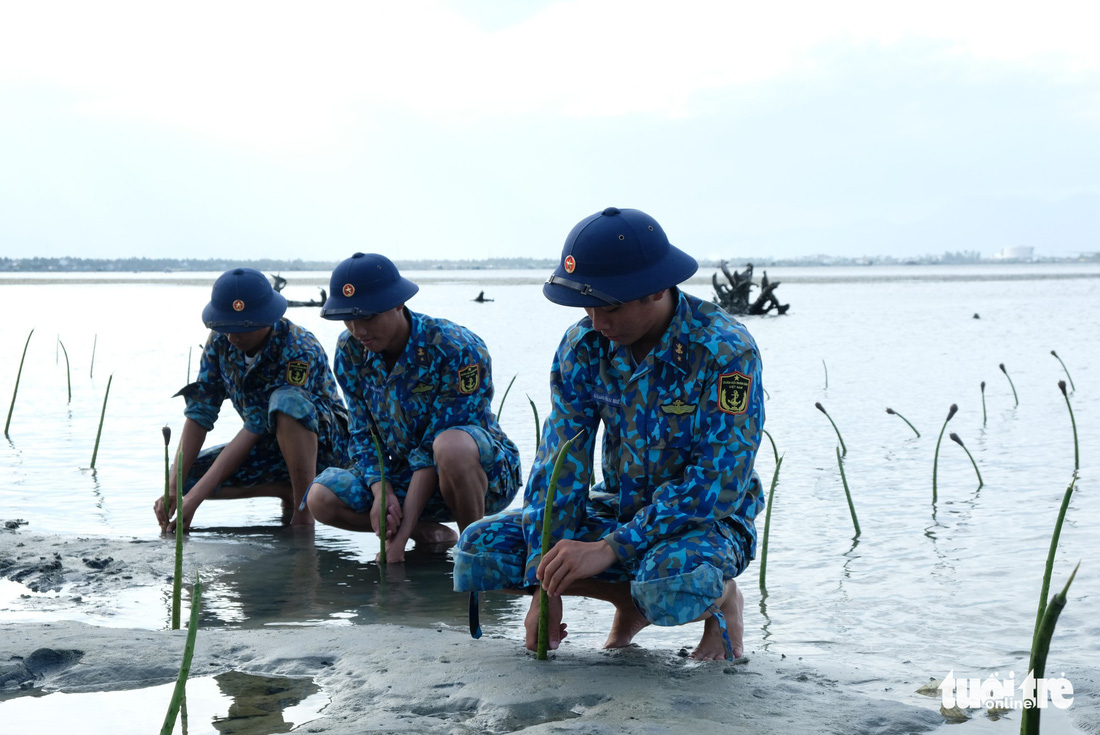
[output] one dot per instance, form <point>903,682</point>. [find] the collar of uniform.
<point>417,349</point>
<point>673,347</point>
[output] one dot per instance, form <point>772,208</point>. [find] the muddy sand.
<point>394,679</point>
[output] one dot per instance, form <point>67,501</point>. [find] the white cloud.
<point>291,77</point>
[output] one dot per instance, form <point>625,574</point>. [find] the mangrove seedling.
<point>1072,387</point>
<point>382,497</point>
<point>68,373</point>
<point>847,492</point>
<point>91,365</point>
<point>102,415</point>
<point>955,438</point>
<point>892,412</point>
<point>547,517</point>
<point>177,576</point>
<point>775,451</point>
<point>178,692</point>
<point>1051,553</point>
<point>1014,396</point>
<point>500,408</point>
<point>1029,720</point>
<point>18,375</point>
<point>1076,455</point>
<point>166,432</point>
<point>983,403</point>
<point>189,365</point>
<point>768,524</point>
<point>844,449</point>
<point>826,374</point>
<point>936,461</point>
<point>538,426</point>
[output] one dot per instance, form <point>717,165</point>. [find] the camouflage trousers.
<point>501,467</point>
<point>264,463</point>
<point>675,581</point>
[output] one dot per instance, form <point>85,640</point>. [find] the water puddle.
<point>233,702</point>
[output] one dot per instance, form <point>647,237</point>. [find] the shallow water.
<point>926,588</point>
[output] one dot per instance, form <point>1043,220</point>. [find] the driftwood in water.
<point>280,283</point>
<point>736,298</point>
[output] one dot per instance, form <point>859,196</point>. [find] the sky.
<point>450,129</point>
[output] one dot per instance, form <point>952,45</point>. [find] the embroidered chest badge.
<point>422,388</point>
<point>469,378</point>
<point>733,392</point>
<point>297,371</point>
<point>678,408</point>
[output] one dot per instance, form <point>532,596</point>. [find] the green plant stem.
<point>826,374</point>
<point>844,449</point>
<point>18,375</point>
<point>890,410</point>
<point>189,365</point>
<point>1073,421</point>
<point>955,438</point>
<point>180,690</point>
<point>102,415</point>
<point>538,426</point>
<point>847,492</point>
<point>1070,379</point>
<point>774,450</point>
<point>68,373</point>
<point>91,365</point>
<point>1015,397</point>
<point>1029,720</point>
<point>382,497</point>
<point>767,526</point>
<point>983,403</point>
<point>177,577</point>
<point>504,397</point>
<point>936,459</point>
<point>547,516</point>
<point>1051,553</point>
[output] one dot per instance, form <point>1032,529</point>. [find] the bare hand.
<point>163,514</point>
<point>556,626</point>
<point>569,561</point>
<point>393,512</point>
<point>190,505</point>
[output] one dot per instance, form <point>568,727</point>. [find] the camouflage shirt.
<point>291,357</point>
<point>443,379</point>
<point>681,432</point>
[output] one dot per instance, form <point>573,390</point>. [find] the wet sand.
<point>393,678</point>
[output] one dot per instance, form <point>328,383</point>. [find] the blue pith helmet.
<point>365,285</point>
<point>243,300</point>
<point>615,256</point>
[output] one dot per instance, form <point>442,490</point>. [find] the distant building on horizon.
<point>1016,252</point>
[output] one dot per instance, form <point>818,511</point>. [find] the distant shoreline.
<point>15,266</point>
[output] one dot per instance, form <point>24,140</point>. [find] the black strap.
<point>583,288</point>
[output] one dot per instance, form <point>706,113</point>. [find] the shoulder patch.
<point>733,392</point>
<point>469,378</point>
<point>297,371</point>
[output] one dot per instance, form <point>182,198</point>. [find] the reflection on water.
<point>232,703</point>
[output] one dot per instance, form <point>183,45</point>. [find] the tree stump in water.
<point>736,297</point>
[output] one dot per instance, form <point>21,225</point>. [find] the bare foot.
<point>288,511</point>
<point>628,621</point>
<point>531,623</point>
<point>433,534</point>
<point>711,646</point>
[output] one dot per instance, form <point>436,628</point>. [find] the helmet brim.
<point>342,308</point>
<point>674,268</point>
<point>232,322</point>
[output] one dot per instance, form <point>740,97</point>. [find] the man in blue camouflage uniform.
<point>675,381</point>
<point>423,386</point>
<point>277,376</point>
